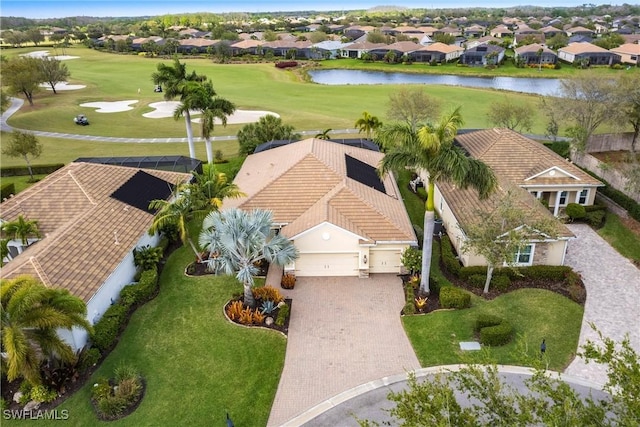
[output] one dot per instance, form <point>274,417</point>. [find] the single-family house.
<point>474,31</point>
<point>356,50</point>
<point>301,49</point>
<point>344,219</point>
<point>483,40</point>
<point>356,31</point>
<point>328,49</point>
<point>91,217</point>
<point>579,31</point>
<point>535,54</point>
<point>439,52</point>
<point>535,175</point>
<point>629,53</point>
<point>590,53</point>
<point>247,46</point>
<point>488,54</point>
<point>199,45</point>
<point>550,31</point>
<point>399,49</point>
<point>501,31</point>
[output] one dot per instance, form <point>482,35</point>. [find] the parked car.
<point>157,88</point>
<point>81,119</point>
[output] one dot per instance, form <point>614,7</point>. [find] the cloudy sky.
<point>56,9</point>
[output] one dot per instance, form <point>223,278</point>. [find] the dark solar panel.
<point>141,189</point>
<point>363,173</point>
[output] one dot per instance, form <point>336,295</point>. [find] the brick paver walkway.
<point>343,332</point>
<point>613,295</point>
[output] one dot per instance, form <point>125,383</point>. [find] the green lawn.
<point>197,365</point>
<point>21,182</point>
<point>624,241</point>
<point>534,313</point>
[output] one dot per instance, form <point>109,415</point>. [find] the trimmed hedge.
<point>7,190</point>
<point>449,260</point>
<point>23,170</point>
<point>451,297</point>
<point>595,218</point>
<point>500,282</point>
<point>575,211</point>
<point>631,206</point>
<point>494,330</point>
<point>286,64</point>
<point>142,291</point>
<point>483,320</point>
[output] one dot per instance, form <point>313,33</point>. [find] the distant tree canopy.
<point>268,128</point>
<point>515,116</point>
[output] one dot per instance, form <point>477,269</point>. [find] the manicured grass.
<point>21,182</point>
<point>197,365</point>
<point>622,239</point>
<point>534,313</point>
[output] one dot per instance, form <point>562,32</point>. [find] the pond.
<point>541,86</point>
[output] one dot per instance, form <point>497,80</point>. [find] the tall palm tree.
<point>31,315</point>
<point>213,187</point>
<point>21,229</point>
<point>236,240</point>
<point>431,149</point>
<point>203,97</point>
<point>368,124</point>
<point>174,79</point>
<point>181,208</point>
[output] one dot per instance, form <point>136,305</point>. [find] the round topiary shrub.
<point>500,282</point>
<point>575,211</point>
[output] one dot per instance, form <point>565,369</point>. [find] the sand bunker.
<point>166,108</point>
<point>45,53</point>
<point>62,86</point>
<point>110,107</point>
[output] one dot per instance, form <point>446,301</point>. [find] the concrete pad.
<point>469,345</point>
<point>164,109</point>
<point>244,116</point>
<point>62,86</point>
<point>110,107</point>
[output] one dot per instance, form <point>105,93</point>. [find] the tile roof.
<point>305,183</point>
<point>86,232</point>
<point>441,47</point>
<point>521,160</point>
<point>582,47</point>
<point>533,48</point>
<point>628,49</point>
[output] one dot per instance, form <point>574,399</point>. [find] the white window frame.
<point>521,252</point>
<point>586,196</point>
<point>566,198</point>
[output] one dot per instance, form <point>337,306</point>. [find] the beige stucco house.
<point>329,200</point>
<point>534,174</point>
<point>629,53</point>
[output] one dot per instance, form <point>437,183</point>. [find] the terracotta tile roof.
<point>628,49</point>
<point>406,46</point>
<point>364,46</point>
<point>441,47</point>
<point>305,183</point>
<point>289,43</point>
<point>533,48</point>
<point>578,48</point>
<point>247,44</point>
<point>522,160</point>
<point>465,204</point>
<point>86,232</point>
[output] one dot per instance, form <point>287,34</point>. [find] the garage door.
<point>333,264</point>
<point>384,262</point>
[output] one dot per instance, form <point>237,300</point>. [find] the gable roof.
<point>582,47</point>
<point>521,160</point>
<point>87,232</point>
<point>307,183</point>
<point>533,48</point>
<point>441,48</point>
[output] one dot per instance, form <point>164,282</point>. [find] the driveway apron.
<point>343,332</point>
<point>613,296</point>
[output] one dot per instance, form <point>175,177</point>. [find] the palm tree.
<point>31,315</point>
<point>213,187</point>
<point>236,240</point>
<point>183,206</point>
<point>368,124</point>
<point>324,134</point>
<point>174,80</point>
<point>202,96</point>
<point>21,229</point>
<point>431,149</point>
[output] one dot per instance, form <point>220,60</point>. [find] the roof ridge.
<point>81,187</point>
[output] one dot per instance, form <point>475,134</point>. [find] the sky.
<point>104,8</point>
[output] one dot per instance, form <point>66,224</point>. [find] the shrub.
<point>286,64</point>
<point>258,317</point>
<point>575,211</point>
<point>23,170</point>
<point>234,309</point>
<point>412,259</point>
<point>105,331</point>
<point>90,358</point>
<point>496,335</point>
<point>163,244</point>
<point>283,313</point>
<point>595,218</point>
<point>246,316</point>
<point>40,393</point>
<point>451,297</point>
<point>268,293</point>
<point>477,280</point>
<point>449,260</point>
<point>483,320</point>
<point>147,257</point>
<point>110,401</point>
<point>434,285</point>
<point>409,309</point>
<point>466,272</point>
<point>267,307</point>
<point>288,281</point>
<point>7,190</point>
<point>500,282</point>
<point>545,272</point>
<point>142,291</point>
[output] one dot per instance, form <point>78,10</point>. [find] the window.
<point>535,193</point>
<point>583,196</point>
<point>563,198</point>
<point>524,255</point>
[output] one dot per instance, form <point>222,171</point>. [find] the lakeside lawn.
<point>197,365</point>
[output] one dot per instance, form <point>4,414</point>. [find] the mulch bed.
<point>284,329</point>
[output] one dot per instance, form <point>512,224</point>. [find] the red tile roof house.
<point>595,55</point>
<point>91,217</point>
<point>328,199</point>
<point>534,172</point>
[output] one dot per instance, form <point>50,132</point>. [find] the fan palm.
<point>31,315</point>
<point>174,79</point>
<point>431,149</point>
<point>21,229</point>
<point>236,240</point>
<point>368,124</point>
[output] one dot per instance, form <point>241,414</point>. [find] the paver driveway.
<point>343,332</point>
<point>613,295</point>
